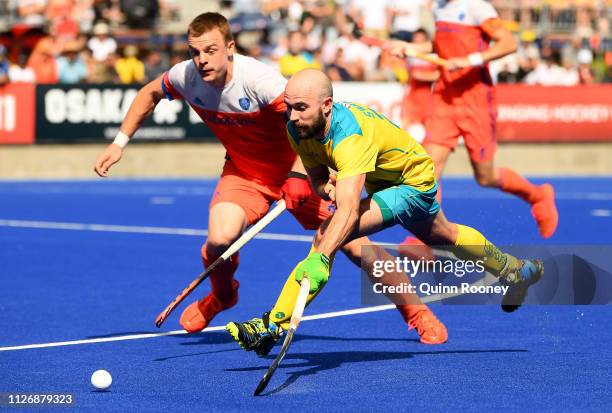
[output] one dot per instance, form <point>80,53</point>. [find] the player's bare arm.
<point>142,107</point>
<point>403,49</point>
<point>344,220</point>
<point>504,45</point>
<point>319,177</point>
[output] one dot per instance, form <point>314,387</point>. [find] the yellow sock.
<point>472,244</point>
<point>285,303</point>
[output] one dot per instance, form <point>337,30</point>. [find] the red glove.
<point>296,190</point>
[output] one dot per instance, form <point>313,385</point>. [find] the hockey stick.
<point>239,243</point>
<point>296,317</point>
<point>376,42</point>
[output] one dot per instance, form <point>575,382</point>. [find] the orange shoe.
<point>199,314</point>
<point>545,211</point>
<point>430,329</point>
<point>415,249</point>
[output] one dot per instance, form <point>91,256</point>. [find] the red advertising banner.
<point>17,113</point>
<point>554,114</point>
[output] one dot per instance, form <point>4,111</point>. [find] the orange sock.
<point>511,182</point>
<point>221,279</point>
<point>408,310</point>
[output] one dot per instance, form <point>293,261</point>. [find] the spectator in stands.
<point>177,57</point>
<point>313,32</point>
<point>107,11</point>
<point>360,60</point>
<point>505,75</point>
<point>129,68</point>
<point>32,12</point>
<point>71,67</point>
<point>20,73</point>
<point>61,21</point>
<point>140,14</point>
<point>4,66</point>
<point>405,17</point>
<point>83,13</point>
<point>101,45</point>
<point>586,75</point>
<point>527,63</point>
<point>372,15</point>
<point>42,60</point>
<point>153,65</point>
<point>105,72</point>
<point>608,78</point>
<point>548,72</point>
<point>297,58</point>
<point>338,70</point>
<point>571,77</point>
<point>527,47</point>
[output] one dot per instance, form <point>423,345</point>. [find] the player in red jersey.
<point>417,102</point>
<point>464,100</point>
<point>242,102</point>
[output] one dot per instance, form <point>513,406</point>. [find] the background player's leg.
<point>439,154</point>
<point>478,128</point>
<point>541,198</point>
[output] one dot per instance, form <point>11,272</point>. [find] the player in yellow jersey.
<point>366,149</point>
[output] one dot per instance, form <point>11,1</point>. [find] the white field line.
<point>487,280</point>
<point>181,332</point>
<point>601,212</point>
<point>75,226</point>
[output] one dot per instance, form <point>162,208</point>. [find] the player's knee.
<point>218,242</point>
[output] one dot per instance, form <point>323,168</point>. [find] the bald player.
<point>367,150</point>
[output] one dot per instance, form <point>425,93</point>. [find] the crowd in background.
<point>561,42</point>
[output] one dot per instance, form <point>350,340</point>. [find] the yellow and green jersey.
<point>362,141</point>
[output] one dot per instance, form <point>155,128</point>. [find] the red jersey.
<point>247,115</point>
<point>459,32</point>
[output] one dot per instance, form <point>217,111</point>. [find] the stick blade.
<point>161,318</point>
<point>263,383</point>
<point>266,378</point>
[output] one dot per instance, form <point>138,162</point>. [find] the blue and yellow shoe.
<point>257,334</point>
<point>519,282</point>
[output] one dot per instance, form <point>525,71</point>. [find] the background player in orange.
<point>464,100</point>
<point>417,102</point>
<point>242,102</point>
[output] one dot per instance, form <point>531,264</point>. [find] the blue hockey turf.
<point>95,262</point>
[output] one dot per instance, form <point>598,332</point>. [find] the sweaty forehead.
<point>213,37</point>
<point>297,96</point>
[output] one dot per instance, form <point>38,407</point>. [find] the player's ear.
<point>328,102</point>
<point>231,48</point>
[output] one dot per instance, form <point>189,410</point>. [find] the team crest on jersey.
<point>245,103</point>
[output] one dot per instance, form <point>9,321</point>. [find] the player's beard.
<point>313,131</point>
